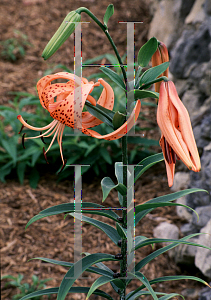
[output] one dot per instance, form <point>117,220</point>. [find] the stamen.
<point>173,156</point>
<point>23,136</point>
<point>64,164</point>
<point>22,127</point>
<point>42,139</point>
<point>45,155</point>
<point>167,154</point>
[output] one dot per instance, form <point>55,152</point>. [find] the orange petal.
<point>167,127</point>
<point>106,100</point>
<point>121,131</point>
<point>170,167</point>
<point>185,127</point>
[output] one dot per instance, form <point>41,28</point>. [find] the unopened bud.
<point>64,31</point>
<point>160,56</point>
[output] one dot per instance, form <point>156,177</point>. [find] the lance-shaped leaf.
<point>146,163</point>
<point>136,294</point>
<point>100,112</point>
<point>166,278</point>
<point>109,12</point>
<point>152,73</point>
<point>101,281</point>
<point>146,283</point>
<point>107,185</point>
<point>109,230</point>
<point>146,52</point>
<point>140,94</point>
<point>70,207</point>
<point>166,198</point>
<point>74,289</point>
<point>114,77</point>
<point>86,262</point>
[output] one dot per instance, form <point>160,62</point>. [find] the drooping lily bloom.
<point>160,56</point>
<point>65,102</point>
<point>177,139</point>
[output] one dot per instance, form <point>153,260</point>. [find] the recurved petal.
<point>106,100</point>
<point>121,131</point>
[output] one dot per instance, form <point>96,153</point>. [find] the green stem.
<point>123,264</point>
<point>105,30</point>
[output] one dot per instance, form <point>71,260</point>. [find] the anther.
<point>42,139</point>
<point>23,136</point>
<point>22,127</point>
<point>65,161</point>
<point>44,153</point>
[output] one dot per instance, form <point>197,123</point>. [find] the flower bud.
<point>160,56</point>
<point>64,31</point>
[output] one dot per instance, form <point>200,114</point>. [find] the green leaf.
<point>105,155</point>
<point>168,278</point>
<point>34,178</point>
<point>107,185</point>
<point>85,262</point>
<point>140,94</point>
<point>166,198</point>
<point>146,283</point>
<point>101,281</point>
<point>153,73</point>
<point>108,14</point>
<point>118,120</point>
<point>121,231</point>
<point>158,252</point>
<point>21,166</point>
<point>146,163</point>
<point>155,240</point>
<point>135,294</point>
<point>97,112</point>
<point>74,289</point>
<point>109,230</point>
<point>114,77</point>
<point>10,147</point>
<point>70,207</point>
<point>100,271</point>
<point>146,52</point>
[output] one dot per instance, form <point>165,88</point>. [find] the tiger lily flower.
<point>177,139</point>
<point>60,99</point>
<point>160,56</point>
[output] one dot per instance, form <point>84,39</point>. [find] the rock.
<point>207,7</point>
<point>181,181</point>
<point>172,13</point>
<point>205,293</point>
<point>185,254</point>
<point>203,256</point>
<point>166,230</point>
<point>204,213</point>
<point>191,100</point>
<point>190,293</point>
<point>191,49</point>
<point>182,212</point>
<point>188,228</point>
<point>197,13</point>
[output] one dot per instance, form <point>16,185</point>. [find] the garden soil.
<point>53,237</point>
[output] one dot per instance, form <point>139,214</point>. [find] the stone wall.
<point>185,27</point>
